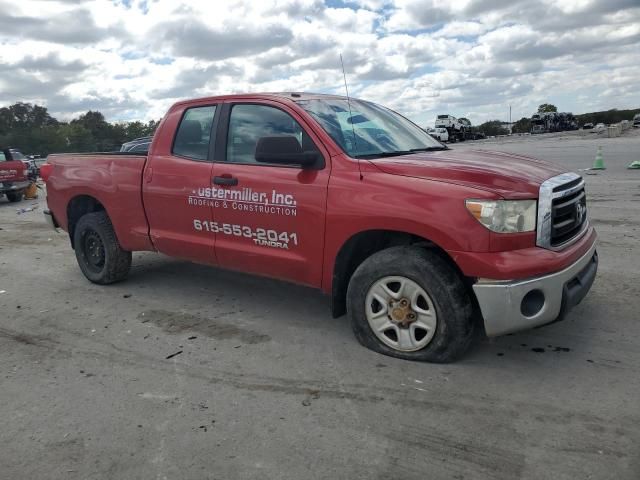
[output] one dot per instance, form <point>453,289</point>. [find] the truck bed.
<point>114,179</point>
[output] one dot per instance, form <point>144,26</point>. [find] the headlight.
<point>504,216</point>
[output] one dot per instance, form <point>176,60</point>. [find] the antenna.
<point>353,129</point>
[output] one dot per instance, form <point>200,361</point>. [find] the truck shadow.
<point>232,293</point>
<point>276,304</point>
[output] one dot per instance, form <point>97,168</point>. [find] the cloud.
<point>472,58</point>
<point>195,39</point>
<point>73,26</point>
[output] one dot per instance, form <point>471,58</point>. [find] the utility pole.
<point>510,124</point>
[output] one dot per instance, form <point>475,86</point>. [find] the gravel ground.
<point>190,372</point>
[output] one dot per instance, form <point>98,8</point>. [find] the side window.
<point>248,123</point>
<point>194,133</point>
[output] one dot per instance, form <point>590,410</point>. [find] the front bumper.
<point>510,306</point>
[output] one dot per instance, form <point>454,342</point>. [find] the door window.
<point>194,133</point>
<point>248,123</point>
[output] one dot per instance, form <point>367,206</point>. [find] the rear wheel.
<point>98,252</point>
<point>15,197</point>
<point>407,302</point>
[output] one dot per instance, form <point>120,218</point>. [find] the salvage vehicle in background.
<point>636,120</point>
<point>13,174</point>
<point>454,127</point>
<point>587,126</point>
<point>141,144</point>
<point>439,134</point>
<point>553,122</point>
<point>414,241</point>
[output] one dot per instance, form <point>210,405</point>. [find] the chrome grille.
<point>562,211</point>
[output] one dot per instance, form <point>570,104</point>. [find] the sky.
<point>131,59</point>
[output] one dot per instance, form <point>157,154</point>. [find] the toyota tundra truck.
<point>13,175</point>
<point>417,243</point>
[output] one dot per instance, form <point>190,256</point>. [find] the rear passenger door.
<point>176,186</point>
<point>269,218</point>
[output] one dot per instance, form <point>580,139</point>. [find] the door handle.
<point>225,180</point>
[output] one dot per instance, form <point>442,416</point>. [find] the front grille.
<point>562,211</point>
<point>568,215</point>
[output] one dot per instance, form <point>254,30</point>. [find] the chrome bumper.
<point>502,304</point>
<point>9,187</point>
<point>48,216</point>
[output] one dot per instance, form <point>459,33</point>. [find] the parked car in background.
<point>587,126</point>
<point>441,134</point>
<point>636,120</point>
<point>600,127</point>
<point>454,127</point>
<point>137,145</point>
<point>438,133</point>
<point>13,174</point>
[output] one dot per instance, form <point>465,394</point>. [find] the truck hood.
<point>508,175</point>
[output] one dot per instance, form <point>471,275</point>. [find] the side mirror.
<point>284,150</point>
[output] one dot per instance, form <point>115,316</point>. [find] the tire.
<point>15,197</point>
<point>447,299</point>
<point>98,252</point>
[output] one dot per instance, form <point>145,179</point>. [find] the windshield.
<point>367,129</point>
<point>17,155</point>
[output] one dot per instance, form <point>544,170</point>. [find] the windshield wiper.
<point>430,149</point>
<point>398,153</point>
<point>384,154</point>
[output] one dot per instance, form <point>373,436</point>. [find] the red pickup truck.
<point>416,242</point>
<point>13,175</point>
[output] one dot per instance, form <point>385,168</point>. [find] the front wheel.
<point>98,252</point>
<point>408,302</point>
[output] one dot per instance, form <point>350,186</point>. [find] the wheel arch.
<point>77,207</point>
<point>362,245</point>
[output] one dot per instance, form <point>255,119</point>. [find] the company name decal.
<point>8,173</point>
<point>245,199</point>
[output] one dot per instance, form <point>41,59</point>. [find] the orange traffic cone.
<point>31,193</point>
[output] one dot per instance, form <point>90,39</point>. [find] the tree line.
<point>33,131</point>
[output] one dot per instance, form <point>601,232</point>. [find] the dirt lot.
<point>263,383</point>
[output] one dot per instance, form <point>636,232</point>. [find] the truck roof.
<point>294,96</point>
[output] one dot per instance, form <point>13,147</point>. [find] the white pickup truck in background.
<point>454,127</point>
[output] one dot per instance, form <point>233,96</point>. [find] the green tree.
<point>74,137</point>
<point>547,107</point>
<point>492,128</point>
<point>31,129</point>
<point>522,126</point>
<point>24,116</point>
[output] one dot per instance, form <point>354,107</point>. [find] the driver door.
<point>269,219</point>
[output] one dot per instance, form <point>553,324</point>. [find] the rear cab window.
<point>194,133</point>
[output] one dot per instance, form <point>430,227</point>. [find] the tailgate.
<point>13,171</point>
